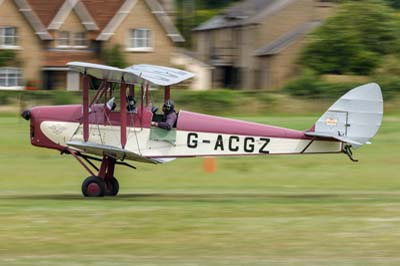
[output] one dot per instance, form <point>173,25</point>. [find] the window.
<point>10,77</point>
<point>140,40</point>
<point>80,39</point>
<point>63,39</point>
<point>8,37</point>
<point>75,40</point>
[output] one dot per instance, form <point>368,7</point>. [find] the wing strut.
<point>147,94</point>
<point>75,154</point>
<point>87,157</point>
<point>123,113</point>
<point>86,80</point>
<point>98,94</point>
<point>141,104</point>
<point>132,90</point>
<point>105,88</point>
<point>167,93</point>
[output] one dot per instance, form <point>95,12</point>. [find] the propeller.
<point>26,114</point>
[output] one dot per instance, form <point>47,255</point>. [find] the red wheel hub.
<point>93,189</point>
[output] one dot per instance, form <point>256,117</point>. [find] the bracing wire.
<point>107,117</point>
<point>97,118</point>
<point>132,122</point>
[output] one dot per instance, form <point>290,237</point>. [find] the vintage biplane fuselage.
<point>94,131</point>
<point>195,134</point>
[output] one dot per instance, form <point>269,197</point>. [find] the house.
<point>203,72</point>
<point>254,44</point>
<point>45,35</point>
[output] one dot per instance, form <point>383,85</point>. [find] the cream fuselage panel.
<point>187,143</point>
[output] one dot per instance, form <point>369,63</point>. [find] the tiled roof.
<point>103,11</point>
<point>81,11</point>
<point>45,9</point>
<point>244,13</point>
<point>276,46</point>
<point>156,9</point>
<point>99,16</point>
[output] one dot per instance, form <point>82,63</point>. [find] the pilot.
<point>169,118</point>
<point>131,107</point>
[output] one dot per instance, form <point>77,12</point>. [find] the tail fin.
<point>353,119</point>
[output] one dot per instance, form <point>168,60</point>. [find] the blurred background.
<point>278,62</point>
<point>308,48</point>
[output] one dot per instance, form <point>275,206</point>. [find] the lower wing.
<point>115,152</point>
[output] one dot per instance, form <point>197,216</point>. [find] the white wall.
<point>202,71</point>
<point>73,79</point>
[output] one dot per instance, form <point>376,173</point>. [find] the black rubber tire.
<point>90,184</point>
<point>114,187</point>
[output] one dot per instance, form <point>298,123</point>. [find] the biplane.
<point>97,131</point>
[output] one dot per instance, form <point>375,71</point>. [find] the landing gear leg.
<point>113,187</point>
<point>102,184</point>
<point>106,172</point>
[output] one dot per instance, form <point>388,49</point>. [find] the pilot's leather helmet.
<point>168,105</point>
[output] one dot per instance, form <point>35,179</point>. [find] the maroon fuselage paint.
<point>73,113</point>
<point>195,122</point>
<point>65,113</point>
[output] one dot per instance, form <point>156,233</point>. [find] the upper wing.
<point>115,152</point>
<point>157,75</point>
<point>112,74</point>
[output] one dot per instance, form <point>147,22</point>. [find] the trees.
<point>394,3</point>
<point>9,58</point>
<point>114,57</point>
<point>191,13</point>
<point>354,40</point>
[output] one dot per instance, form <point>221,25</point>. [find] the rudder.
<point>354,119</point>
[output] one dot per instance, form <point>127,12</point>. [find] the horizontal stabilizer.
<point>115,152</point>
<point>327,135</point>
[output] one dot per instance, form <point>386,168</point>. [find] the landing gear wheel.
<point>93,186</point>
<point>113,187</point>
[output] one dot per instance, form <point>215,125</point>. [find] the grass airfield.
<point>279,210</point>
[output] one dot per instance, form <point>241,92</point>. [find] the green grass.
<point>282,210</point>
